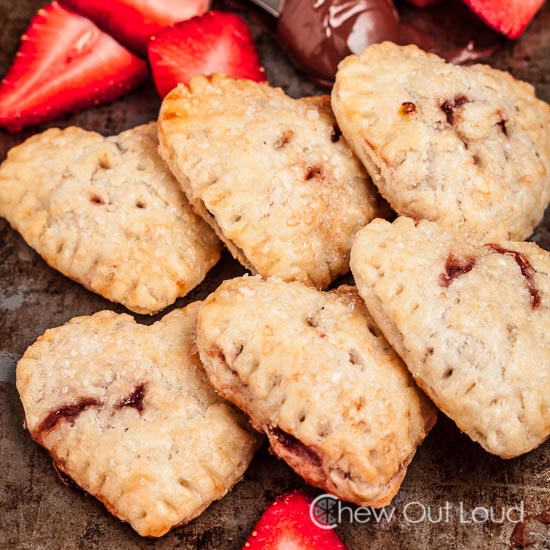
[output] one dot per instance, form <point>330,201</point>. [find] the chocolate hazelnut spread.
<point>318,34</point>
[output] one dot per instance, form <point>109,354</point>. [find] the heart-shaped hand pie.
<point>107,213</point>
<point>313,371</point>
<point>271,174</point>
<point>126,411</point>
<point>472,323</point>
<point>467,147</point>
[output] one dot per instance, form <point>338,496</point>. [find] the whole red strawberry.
<point>286,524</point>
<point>216,42</point>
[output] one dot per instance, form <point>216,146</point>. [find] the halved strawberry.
<point>287,525</point>
<point>509,17</point>
<point>64,63</point>
<point>133,22</point>
<point>216,42</point>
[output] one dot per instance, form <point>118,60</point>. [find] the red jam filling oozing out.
<point>295,446</point>
<point>134,399</point>
<point>455,266</point>
<point>525,533</point>
<point>68,413</point>
<point>527,270</point>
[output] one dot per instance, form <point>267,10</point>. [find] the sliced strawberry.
<point>509,17</point>
<point>133,22</point>
<point>216,42</point>
<point>286,525</point>
<point>65,63</point>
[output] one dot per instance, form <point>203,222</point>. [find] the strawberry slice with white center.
<point>286,525</point>
<point>65,63</point>
<point>133,22</point>
<point>509,17</point>
<point>216,42</point>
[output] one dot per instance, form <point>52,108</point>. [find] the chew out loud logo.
<point>328,511</point>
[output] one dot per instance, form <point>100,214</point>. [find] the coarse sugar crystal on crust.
<point>467,147</point>
<point>314,373</point>
<point>471,321</point>
<point>127,412</point>
<point>271,174</point>
<point>107,213</point>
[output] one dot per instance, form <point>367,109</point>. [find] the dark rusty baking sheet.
<point>38,512</point>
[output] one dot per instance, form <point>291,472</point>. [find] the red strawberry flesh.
<point>64,63</point>
<point>509,17</point>
<point>133,22</point>
<point>286,525</point>
<point>216,42</point>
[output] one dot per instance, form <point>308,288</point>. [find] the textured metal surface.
<point>38,512</point>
